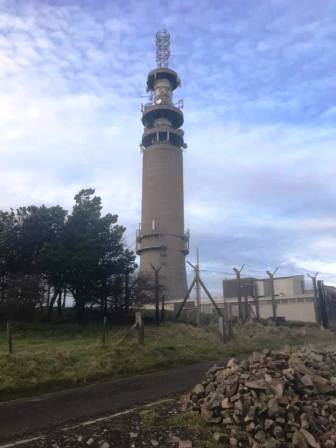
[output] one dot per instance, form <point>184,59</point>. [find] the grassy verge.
<point>48,358</point>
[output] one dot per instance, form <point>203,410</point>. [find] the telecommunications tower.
<point>161,239</point>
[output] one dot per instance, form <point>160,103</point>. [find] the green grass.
<point>194,424</point>
<point>48,358</point>
<point>210,444</point>
<point>187,423</point>
<point>152,419</point>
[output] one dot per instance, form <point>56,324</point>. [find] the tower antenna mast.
<point>161,239</point>
<point>162,48</point>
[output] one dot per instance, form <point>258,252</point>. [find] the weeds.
<point>187,421</point>
<point>49,358</point>
<point>210,444</point>
<point>150,419</point>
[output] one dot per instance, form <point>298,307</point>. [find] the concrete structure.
<point>294,302</point>
<point>290,286</point>
<point>161,239</point>
<point>230,287</point>
<point>283,286</point>
<point>299,308</point>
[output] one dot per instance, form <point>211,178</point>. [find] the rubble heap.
<point>272,399</point>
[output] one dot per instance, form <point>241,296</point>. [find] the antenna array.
<point>162,48</point>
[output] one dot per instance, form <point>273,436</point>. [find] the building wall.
<point>230,286</point>
<point>296,308</point>
<point>259,288</point>
<point>293,302</point>
<point>290,286</point>
<point>283,286</point>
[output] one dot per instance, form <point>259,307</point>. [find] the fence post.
<point>274,303</point>
<point>9,337</point>
<point>222,329</point>
<point>157,294</point>
<point>246,306</point>
<point>104,331</point>
<point>140,327</point>
<point>162,308</point>
<point>228,320</point>
<point>322,304</point>
<point>257,305</point>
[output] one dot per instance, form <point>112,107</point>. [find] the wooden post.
<point>230,332</point>
<point>140,327</point>
<point>210,297</point>
<point>240,308</point>
<point>274,307</point>
<point>198,293</point>
<point>184,300</point>
<point>257,308</point>
<point>256,301</point>
<point>162,308</point>
<point>157,293</point>
<point>222,329</point>
<point>246,305</point>
<point>322,304</point>
<point>104,331</point>
<point>239,298</point>
<point>274,304</point>
<point>9,337</point>
<point>316,299</point>
<point>197,282</point>
<point>227,319</point>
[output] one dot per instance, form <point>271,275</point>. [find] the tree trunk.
<point>64,297</point>
<point>59,305</point>
<point>48,296</point>
<point>51,304</point>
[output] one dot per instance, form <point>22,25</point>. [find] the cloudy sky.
<point>259,87</point>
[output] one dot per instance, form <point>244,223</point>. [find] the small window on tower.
<point>153,224</point>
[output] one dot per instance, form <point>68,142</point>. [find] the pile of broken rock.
<point>272,399</point>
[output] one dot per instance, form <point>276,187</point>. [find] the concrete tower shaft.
<point>161,239</point>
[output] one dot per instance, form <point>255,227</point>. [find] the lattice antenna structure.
<point>162,48</point>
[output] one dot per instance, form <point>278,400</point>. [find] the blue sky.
<point>259,87</point>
